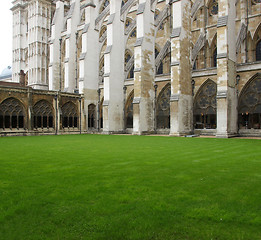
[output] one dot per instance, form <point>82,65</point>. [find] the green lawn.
<point>129,187</point>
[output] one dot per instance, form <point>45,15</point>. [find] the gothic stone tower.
<point>31,29</point>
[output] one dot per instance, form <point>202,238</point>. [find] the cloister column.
<point>226,70</point>
<point>89,57</point>
<point>181,104</point>
<point>144,74</point>
<point>114,71</point>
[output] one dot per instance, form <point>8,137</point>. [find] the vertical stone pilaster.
<point>181,106</point>
<point>226,70</point>
<point>20,17</point>
<point>55,52</point>
<point>89,59</point>
<point>144,62</point>
<point>114,72</point>
<point>73,19</point>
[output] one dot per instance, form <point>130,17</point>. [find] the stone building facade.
<point>176,67</point>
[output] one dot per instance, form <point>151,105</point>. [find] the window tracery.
<point>43,115</point>
<point>205,106</point>
<point>69,115</point>
<point>11,114</point>
<point>250,105</point>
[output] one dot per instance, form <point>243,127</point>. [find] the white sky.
<point>6,34</point>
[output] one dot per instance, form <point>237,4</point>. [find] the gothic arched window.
<point>91,115</point>
<point>213,8</point>
<point>69,115</point>
<point>205,106</point>
<point>258,51</point>
<point>163,108</point>
<point>12,114</point>
<point>43,115</point>
<point>215,58</point>
<point>249,105</point>
<point>129,111</point>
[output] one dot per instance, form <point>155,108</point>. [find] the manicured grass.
<point>129,187</point>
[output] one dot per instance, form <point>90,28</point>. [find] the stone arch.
<point>249,104</point>
<point>12,114</point>
<point>43,116</point>
<point>91,116</point>
<point>70,115</point>
<point>205,106</point>
<point>163,108</point>
<point>129,111</point>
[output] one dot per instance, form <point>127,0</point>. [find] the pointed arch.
<point>163,108</point>
<point>43,115</point>
<point>205,106</point>
<point>91,116</point>
<point>69,115</point>
<point>129,110</point>
<point>12,114</point>
<point>249,104</point>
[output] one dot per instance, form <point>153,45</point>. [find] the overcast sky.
<point>6,34</point>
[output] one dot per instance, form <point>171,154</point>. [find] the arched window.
<point>258,51</point>
<point>205,106</point>
<point>128,22</point>
<point>91,115</point>
<point>129,111</point>
<point>163,108</point>
<point>69,115</point>
<point>160,68</point>
<point>215,58</point>
<point>43,115</point>
<point>213,8</point>
<point>127,56</point>
<point>133,33</point>
<point>12,114</point>
<point>249,105</point>
<point>131,73</point>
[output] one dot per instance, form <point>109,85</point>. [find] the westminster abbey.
<point>176,67</point>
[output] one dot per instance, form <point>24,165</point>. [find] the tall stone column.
<point>114,72</point>
<point>226,70</point>
<point>144,62</point>
<point>55,51</point>
<point>20,18</point>
<point>181,104</point>
<point>39,17</point>
<point>89,59</point>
